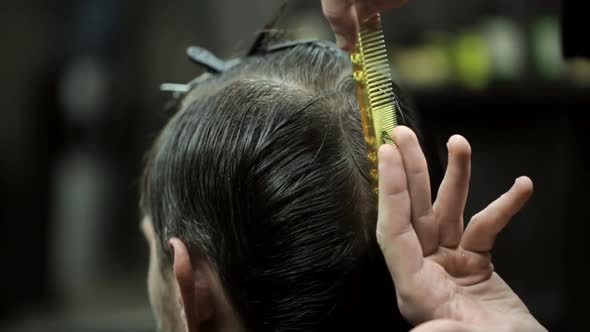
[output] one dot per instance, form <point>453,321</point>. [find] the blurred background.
<point>81,104</point>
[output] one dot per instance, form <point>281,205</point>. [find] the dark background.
<point>81,103</point>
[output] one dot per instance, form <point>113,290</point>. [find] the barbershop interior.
<point>82,103</point>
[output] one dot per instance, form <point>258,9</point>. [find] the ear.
<point>195,284</point>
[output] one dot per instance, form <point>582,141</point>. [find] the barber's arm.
<point>443,274</point>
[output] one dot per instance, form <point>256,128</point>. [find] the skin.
<point>186,296</point>
<point>345,15</point>
<point>442,271</point>
<point>163,295</point>
<point>443,274</point>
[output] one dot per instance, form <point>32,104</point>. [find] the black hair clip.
<point>289,44</point>
<point>215,65</point>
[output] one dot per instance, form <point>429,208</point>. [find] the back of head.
<point>263,171</point>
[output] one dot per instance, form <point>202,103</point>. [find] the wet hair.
<point>263,171</point>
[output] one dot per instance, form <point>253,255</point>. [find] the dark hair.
<point>263,170</point>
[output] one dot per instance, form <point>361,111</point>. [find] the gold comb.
<point>374,91</point>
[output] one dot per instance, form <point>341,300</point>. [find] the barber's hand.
<point>344,15</point>
<point>443,274</point>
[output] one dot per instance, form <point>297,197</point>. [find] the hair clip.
<point>178,89</point>
<point>210,61</point>
<point>289,44</point>
<point>264,36</point>
<point>174,87</point>
<point>205,58</point>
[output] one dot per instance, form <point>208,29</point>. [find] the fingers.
<point>483,228</point>
<point>504,324</point>
<point>341,14</point>
<point>418,180</point>
<point>444,325</point>
<point>367,9</point>
<point>452,194</point>
<point>395,234</point>
<point>345,15</point>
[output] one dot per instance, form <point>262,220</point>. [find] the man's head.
<point>258,205</point>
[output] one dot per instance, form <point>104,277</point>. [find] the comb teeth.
<point>374,91</point>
